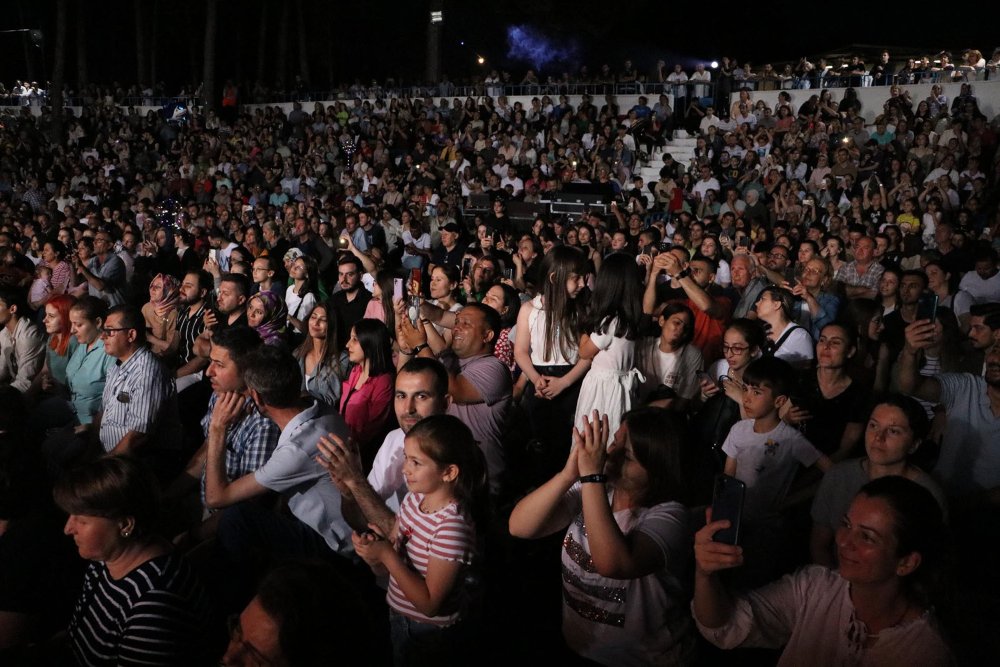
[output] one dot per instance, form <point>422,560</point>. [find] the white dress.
<point>613,381</point>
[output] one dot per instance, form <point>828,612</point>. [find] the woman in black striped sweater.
<point>140,603</point>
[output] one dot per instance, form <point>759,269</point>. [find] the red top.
<point>368,410</point>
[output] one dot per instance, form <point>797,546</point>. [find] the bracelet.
<point>596,478</point>
<point>417,349</point>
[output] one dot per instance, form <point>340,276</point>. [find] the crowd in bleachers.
<point>241,340</point>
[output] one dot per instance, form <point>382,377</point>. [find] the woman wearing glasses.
<point>722,389</point>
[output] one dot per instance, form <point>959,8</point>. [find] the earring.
<point>126,532</point>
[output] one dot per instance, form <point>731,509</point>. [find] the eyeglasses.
<point>813,270</point>
<point>111,331</point>
<point>251,651</point>
<point>735,349</point>
<point>777,255</point>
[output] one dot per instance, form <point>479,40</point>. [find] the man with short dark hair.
<point>316,526</point>
<point>22,345</point>
<point>251,437</point>
<point>139,414</point>
<point>351,299</point>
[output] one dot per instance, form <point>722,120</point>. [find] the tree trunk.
<point>208,80</point>
<point>262,44</point>
<point>303,44</point>
<point>81,46</point>
<point>282,62</point>
<point>59,72</point>
<point>154,35</point>
<point>140,43</point>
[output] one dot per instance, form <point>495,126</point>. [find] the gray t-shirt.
<point>970,453</point>
<point>492,380</point>
<point>843,481</point>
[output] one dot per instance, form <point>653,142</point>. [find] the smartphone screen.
<point>213,255</point>
<point>397,289</point>
<point>927,307</point>
<point>416,280</point>
<point>727,503</point>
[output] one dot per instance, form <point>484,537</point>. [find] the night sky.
<point>378,38</point>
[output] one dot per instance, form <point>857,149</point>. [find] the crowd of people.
<point>277,368</point>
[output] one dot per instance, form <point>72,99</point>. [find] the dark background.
<point>348,39</point>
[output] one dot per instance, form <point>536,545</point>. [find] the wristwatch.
<point>417,349</point>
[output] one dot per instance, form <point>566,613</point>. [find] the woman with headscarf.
<point>160,313</point>
<point>266,314</point>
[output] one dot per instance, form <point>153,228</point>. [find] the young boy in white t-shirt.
<point>765,454</point>
<point>762,451</point>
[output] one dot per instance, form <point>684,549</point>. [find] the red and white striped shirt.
<point>446,535</point>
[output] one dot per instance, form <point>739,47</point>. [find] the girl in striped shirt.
<point>432,542</point>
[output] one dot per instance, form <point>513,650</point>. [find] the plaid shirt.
<point>249,443</point>
<point>848,275</point>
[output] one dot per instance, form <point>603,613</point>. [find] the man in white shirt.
<point>514,181</point>
<point>705,183</point>
<point>983,284</point>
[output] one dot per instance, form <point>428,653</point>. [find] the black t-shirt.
<point>349,312</point>
<point>830,416</point>
<point>444,256</point>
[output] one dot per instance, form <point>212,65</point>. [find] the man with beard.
<point>351,298</point>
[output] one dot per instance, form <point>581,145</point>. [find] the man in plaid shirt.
<point>250,441</point>
<point>860,277</point>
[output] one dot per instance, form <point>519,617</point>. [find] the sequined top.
<point>621,622</point>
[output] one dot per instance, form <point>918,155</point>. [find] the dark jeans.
<point>416,644</point>
<point>252,536</point>
<point>551,422</point>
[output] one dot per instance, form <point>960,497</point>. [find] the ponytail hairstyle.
<point>448,441</point>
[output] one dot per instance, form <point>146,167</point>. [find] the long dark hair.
<point>448,441</point>
<point>330,352</point>
<point>617,295</point>
<point>656,437</point>
<point>311,284</point>
<point>564,314</point>
<point>373,336</point>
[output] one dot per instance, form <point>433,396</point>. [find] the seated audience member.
<point>267,315</point>
<point>630,498</point>
<point>670,360</point>
<point>160,314</point>
<point>830,406</point>
<point>871,610</point>
<point>22,346</point>
<point>303,613</point>
<point>691,282</point>
<point>250,439</point>
<point>860,277</point>
<point>141,602</point>
<point>319,356</point>
<point>314,525</point>
<point>139,404</point>
<point>366,397</point>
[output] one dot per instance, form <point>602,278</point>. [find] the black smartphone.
<point>466,266</point>
<point>744,242</point>
<point>927,307</point>
<point>665,246</point>
<point>727,503</point>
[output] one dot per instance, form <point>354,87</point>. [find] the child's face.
<point>759,401</point>
<point>43,272</point>
<point>423,474</point>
